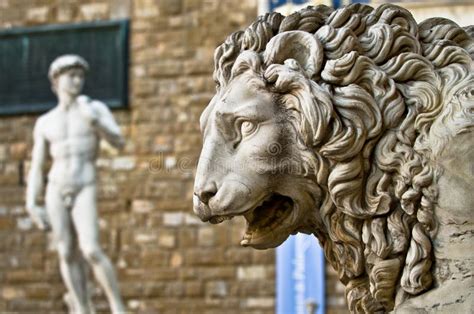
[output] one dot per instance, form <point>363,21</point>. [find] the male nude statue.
<point>72,131</point>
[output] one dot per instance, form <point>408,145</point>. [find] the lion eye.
<point>247,128</point>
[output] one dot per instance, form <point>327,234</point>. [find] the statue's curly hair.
<point>364,116</point>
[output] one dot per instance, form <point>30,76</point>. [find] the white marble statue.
<point>71,132</point>
<point>355,125</point>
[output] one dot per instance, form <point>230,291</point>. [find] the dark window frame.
<point>119,99</point>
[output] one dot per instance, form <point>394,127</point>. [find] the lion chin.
<point>268,224</point>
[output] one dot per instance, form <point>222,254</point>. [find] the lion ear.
<point>298,45</point>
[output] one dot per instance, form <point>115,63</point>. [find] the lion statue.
<point>355,125</point>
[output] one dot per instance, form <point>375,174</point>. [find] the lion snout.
<point>201,209</point>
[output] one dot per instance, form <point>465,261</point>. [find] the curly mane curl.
<point>364,114</point>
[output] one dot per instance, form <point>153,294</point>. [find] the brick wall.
<point>166,259</point>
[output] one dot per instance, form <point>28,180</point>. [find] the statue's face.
<point>249,166</point>
<point>70,81</point>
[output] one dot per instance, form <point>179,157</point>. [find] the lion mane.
<point>363,109</point>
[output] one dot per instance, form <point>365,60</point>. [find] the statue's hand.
<point>87,110</point>
<point>40,217</point>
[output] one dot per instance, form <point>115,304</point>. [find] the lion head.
<point>319,125</point>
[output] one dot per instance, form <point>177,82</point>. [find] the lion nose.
<point>206,192</point>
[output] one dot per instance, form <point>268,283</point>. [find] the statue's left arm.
<point>103,120</point>
<point>107,125</point>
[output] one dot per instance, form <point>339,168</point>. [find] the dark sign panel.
<point>26,53</point>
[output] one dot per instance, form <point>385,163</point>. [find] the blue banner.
<point>274,4</point>
<point>300,276</point>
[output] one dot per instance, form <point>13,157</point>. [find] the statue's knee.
<point>65,252</point>
<point>92,253</point>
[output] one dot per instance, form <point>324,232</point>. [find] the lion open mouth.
<point>267,216</point>
<point>263,221</point>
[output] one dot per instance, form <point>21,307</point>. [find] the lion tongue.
<point>261,218</point>
<point>264,214</point>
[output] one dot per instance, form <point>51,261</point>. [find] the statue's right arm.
<point>35,177</point>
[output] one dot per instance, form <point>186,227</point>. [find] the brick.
<point>134,304</point>
<point>154,259</point>
<point>6,223</point>
<point>66,12</point>
<point>38,15</point>
<point>222,272</point>
<point>237,256</point>
<point>24,223</point>
<point>132,290</point>
<point>18,150</point>
<point>203,256</point>
<point>3,152</point>
<point>9,293</point>
<point>259,302</point>
<point>251,272</point>
<point>176,260</point>
<point>216,289</point>
<point>167,240</point>
<point>145,8</point>
<point>154,289</point>
<point>170,162</point>
<point>142,206</point>
<point>170,7</point>
<point>166,68</point>
<point>25,306</point>
<point>175,289</point>
<point>123,163</point>
<point>139,71</point>
<point>207,236</point>
<point>146,237</point>
<point>120,9</point>
<point>145,88</point>
<point>191,219</point>
<point>173,219</point>
<point>194,289</point>
<point>163,144</point>
<point>94,11</point>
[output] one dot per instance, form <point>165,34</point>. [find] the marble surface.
<point>70,135</point>
<point>354,125</point>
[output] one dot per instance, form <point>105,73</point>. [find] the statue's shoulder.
<point>94,103</point>
<point>45,118</point>
<point>44,123</point>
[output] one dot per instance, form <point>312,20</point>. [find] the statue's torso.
<point>73,146</point>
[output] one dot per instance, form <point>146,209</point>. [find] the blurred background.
<point>152,62</point>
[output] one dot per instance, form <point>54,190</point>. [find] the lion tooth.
<point>245,242</point>
<point>246,239</point>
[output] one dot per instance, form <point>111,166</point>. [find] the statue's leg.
<point>71,263</point>
<point>80,281</point>
<point>85,220</point>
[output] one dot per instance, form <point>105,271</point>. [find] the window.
<point>26,53</point>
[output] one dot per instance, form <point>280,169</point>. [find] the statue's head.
<point>255,161</point>
<point>320,125</point>
<point>67,74</point>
